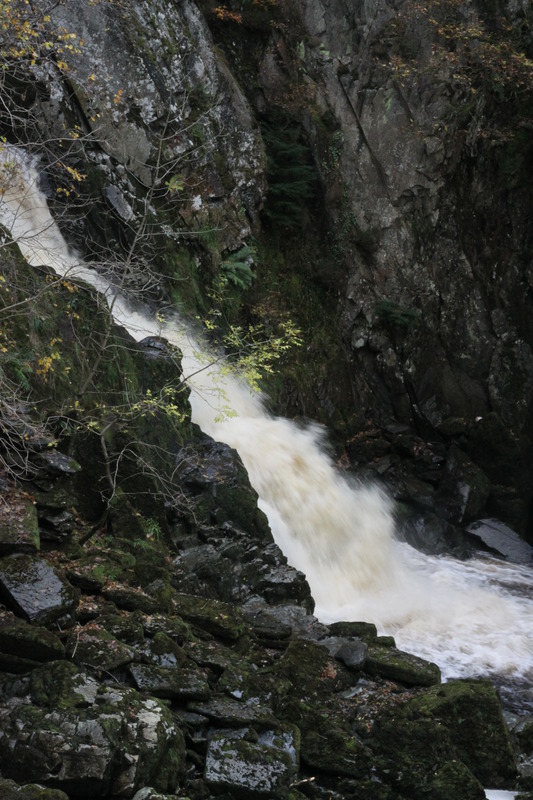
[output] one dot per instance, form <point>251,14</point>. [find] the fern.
<point>237,267</point>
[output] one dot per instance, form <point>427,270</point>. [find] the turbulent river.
<point>472,618</point>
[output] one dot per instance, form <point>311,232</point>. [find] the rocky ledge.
<point>183,660</point>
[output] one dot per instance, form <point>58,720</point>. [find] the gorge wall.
<point>359,170</point>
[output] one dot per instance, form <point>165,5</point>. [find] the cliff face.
<point>433,103</point>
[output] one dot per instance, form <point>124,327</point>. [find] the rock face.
<point>427,155</point>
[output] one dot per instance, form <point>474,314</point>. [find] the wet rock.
<point>418,759</point>
<point>501,539</point>
<point>269,628</point>
<point>55,526</point>
<point>213,655</point>
<point>165,652</point>
<point>304,664</point>
<point>155,347</point>
<point>172,626</point>
<point>19,528</point>
<point>22,640</point>
<point>252,765</point>
<point>465,488</point>
<point>124,626</point>
<point>428,532</point>
<point>216,476</point>
<point>388,662</point>
<point>173,684</point>
<point>283,583</point>
<point>296,617</point>
<point>126,522</point>
<point>33,589</point>
<point>91,572</point>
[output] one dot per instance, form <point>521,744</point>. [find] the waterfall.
<point>472,618</point>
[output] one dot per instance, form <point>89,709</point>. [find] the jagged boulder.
<point>87,739</point>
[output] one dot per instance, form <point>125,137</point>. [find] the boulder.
<point>33,589</point>
<point>418,759</point>
<point>388,662</point>
<point>89,740</point>
<point>20,640</point>
<point>471,711</point>
<point>251,765</point>
<point>501,539</point>
<point>221,619</point>
<point>351,652</point>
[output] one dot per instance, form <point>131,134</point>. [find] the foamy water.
<point>472,618</point>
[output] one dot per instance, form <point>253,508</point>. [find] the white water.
<point>472,618</point>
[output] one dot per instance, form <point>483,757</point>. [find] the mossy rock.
<point>174,684</point>
<point>328,748</point>
<point>388,662</point>
<point>135,739</point>
<point>93,645</point>
<point>251,765</point>
<point>9,790</point>
<point>126,521</point>
<point>303,664</point>
<point>472,713</point>
<point>19,527</point>
<point>174,627</point>
<point>525,737</point>
<point>418,759</point>
<point>221,619</point>
<point>60,684</point>
<point>366,631</point>
<point>127,627</point>
<point>166,652</point>
<point>100,566</point>
<point>28,641</point>
<point>130,598</point>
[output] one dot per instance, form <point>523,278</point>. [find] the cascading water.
<point>472,618</point>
